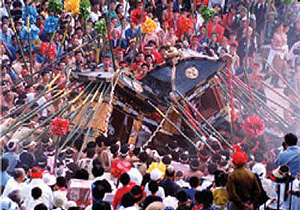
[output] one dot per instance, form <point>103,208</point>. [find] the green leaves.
<point>100,28</point>
<point>84,9</point>
<point>55,6</point>
<point>287,2</point>
<point>207,13</point>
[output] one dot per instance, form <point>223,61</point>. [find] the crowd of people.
<point>263,39</point>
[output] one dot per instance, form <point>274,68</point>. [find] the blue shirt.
<point>191,195</point>
<point>129,34</point>
<point>4,178</point>
<point>5,38</point>
<point>170,187</point>
<point>290,157</point>
<point>12,159</point>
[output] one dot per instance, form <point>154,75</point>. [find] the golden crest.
<point>191,73</point>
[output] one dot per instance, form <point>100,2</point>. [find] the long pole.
<point>17,37</point>
<point>175,126</point>
<point>29,40</point>
<point>182,111</point>
<point>36,110</point>
<point>283,80</point>
<point>279,94</point>
<point>203,118</point>
<point>45,91</point>
<point>71,116</point>
<point>77,126</point>
<point>108,20</point>
<point>247,44</point>
<point>90,117</point>
<point>138,34</point>
<point>58,59</point>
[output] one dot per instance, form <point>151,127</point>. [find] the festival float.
<point>180,95</point>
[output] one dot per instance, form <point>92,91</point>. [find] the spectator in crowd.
<point>168,183</point>
<point>153,188</point>
<point>242,194</point>
<point>15,182</point>
<point>290,156</point>
<point>4,175</point>
<point>11,155</point>
<point>126,187</point>
<point>36,194</point>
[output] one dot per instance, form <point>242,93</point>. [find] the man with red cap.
<point>37,180</point>
<point>242,185</point>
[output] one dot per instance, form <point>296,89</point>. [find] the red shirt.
<point>158,58</point>
<point>219,30</point>
<point>120,192</point>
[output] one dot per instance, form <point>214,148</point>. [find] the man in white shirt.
<point>37,181</point>
<point>156,175</point>
<point>15,182</point>
<point>95,13</point>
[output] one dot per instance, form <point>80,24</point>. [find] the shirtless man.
<point>277,56</point>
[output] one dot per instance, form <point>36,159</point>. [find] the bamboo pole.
<point>74,130</point>
<point>70,116</point>
<point>138,34</point>
<point>34,111</point>
<point>283,80</point>
<point>29,40</point>
<point>185,117</point>
<point>17,37</point>
<point>91,116</point>
<point>45,91</point>
<point>276,103</point>
<point>279,94</point>
<point>259,113</point>
<point>33,101</point>
<point>125,14</point>
<point>247,44</point>
<point>86,105</point>
<point>61,57</point>
<point>158,127</point>
<point>263,105</point>
<point>109,36</point>
<point>175,126</point>
<point>245,94</point>
<point>203,118</point>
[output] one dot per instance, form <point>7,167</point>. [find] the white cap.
<point>155,174</point>
<point>49,179</point>
<point>135,176</point>
<point>59,199</point>
<point>12,144</point>
<point>70,204</point>
<point>259,169</point>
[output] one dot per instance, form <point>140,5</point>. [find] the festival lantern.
<point>72,6</point>
<point>59,127</point>
<point>149,26</point>
<point>253,126</point>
